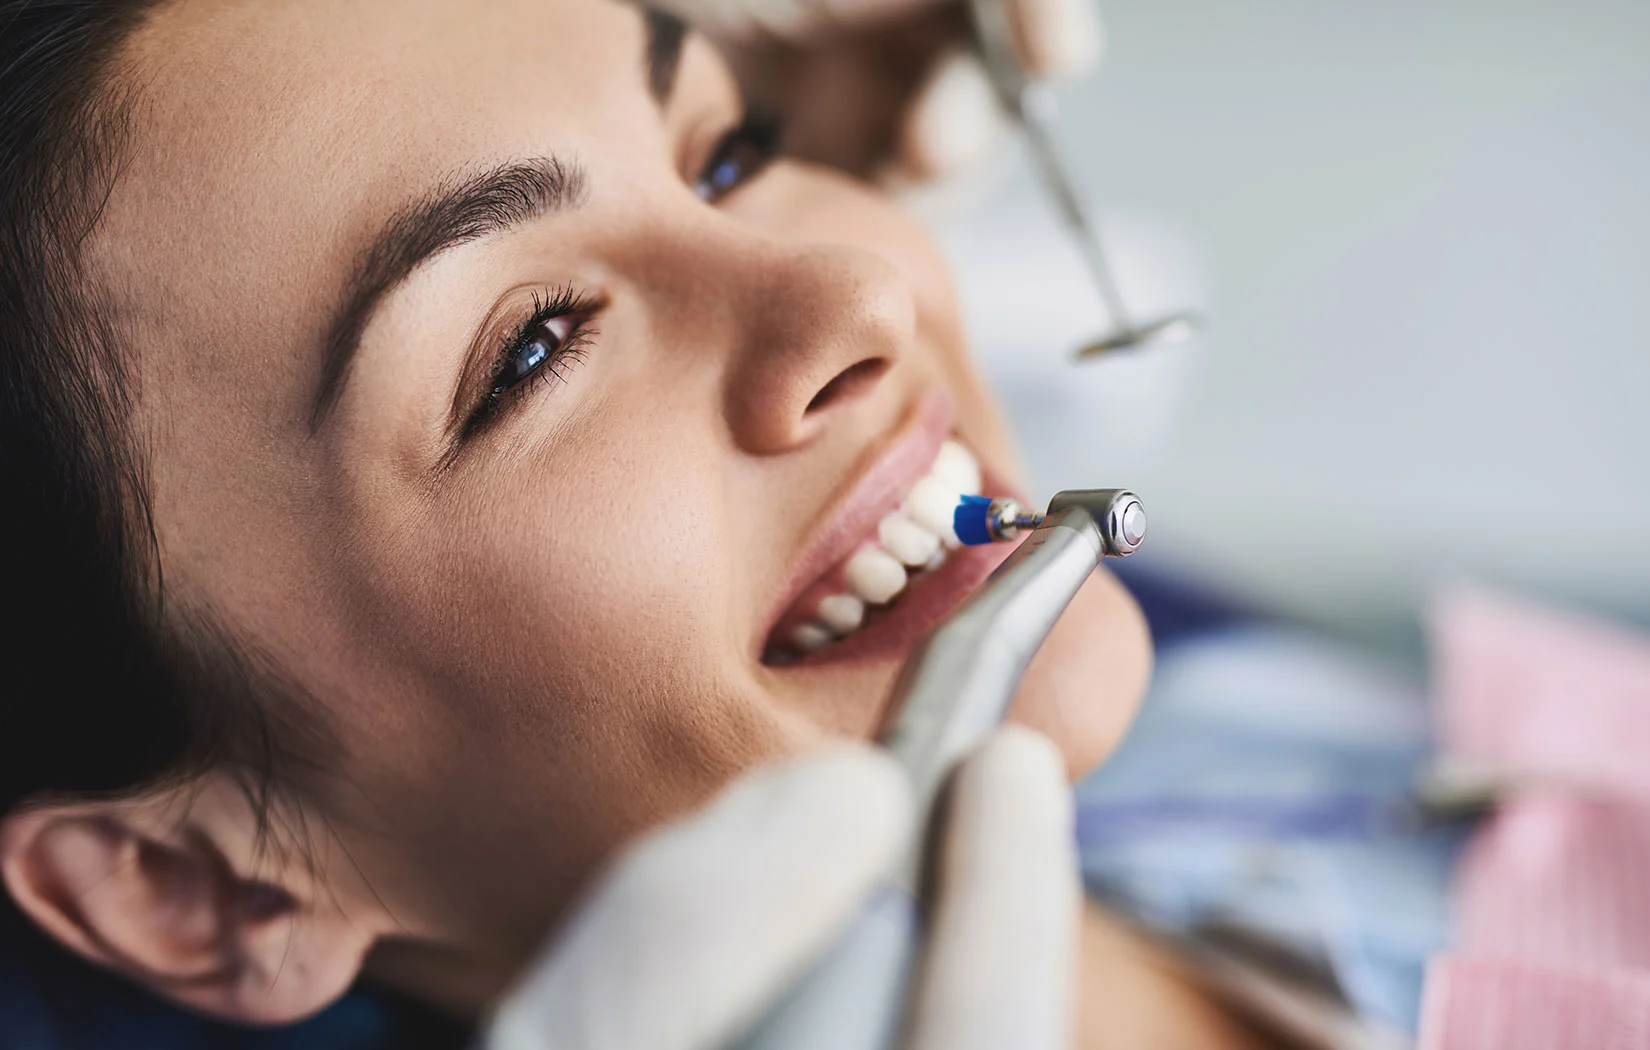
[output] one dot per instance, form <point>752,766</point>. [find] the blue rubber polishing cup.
<point>970,520</point>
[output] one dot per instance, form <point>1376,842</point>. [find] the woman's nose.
<point>822,326</point>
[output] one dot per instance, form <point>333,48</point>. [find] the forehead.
<point>272,91</point>
<point>273,138</point>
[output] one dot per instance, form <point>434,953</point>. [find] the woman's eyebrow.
<point>468,209</point>
<point>665,35</point>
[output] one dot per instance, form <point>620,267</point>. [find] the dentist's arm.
<point>891,88</point>
<point>700,926</point>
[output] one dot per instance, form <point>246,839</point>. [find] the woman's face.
<point>520,453</point>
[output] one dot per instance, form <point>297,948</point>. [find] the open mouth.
<point>907,562</point>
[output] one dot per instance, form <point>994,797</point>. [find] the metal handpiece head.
<point>1119,514</point>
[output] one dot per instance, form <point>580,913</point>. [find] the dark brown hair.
<point>104,689</point>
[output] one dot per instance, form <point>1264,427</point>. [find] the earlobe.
<point>164,904</point>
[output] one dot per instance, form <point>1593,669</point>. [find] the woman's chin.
<point>1084,686</point>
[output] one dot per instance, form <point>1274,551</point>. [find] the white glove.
<point>701,925</point>
<point>951,125</point>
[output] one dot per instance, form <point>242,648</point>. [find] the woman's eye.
<point>538,346</point>
<point>553,338</point>
<point>741,154</point>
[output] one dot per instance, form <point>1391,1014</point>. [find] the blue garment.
<point>1254,787</point>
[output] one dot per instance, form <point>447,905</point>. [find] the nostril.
<point>849,383</point>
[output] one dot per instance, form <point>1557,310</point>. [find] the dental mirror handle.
<point>952,692</point>
<point>1031,105</point>
<point>1035,123</point>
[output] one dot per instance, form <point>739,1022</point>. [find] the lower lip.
<point>926,601</point>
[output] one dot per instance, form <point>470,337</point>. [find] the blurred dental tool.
<point>954,689</point>
<point>1031,105</point>
<point>1291,988</point>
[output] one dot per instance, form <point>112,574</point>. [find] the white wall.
<point>1422,230</point>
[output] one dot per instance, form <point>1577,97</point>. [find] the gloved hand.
<point>890,88</point>
<point>701,925</point>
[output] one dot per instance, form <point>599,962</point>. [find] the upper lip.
<point>904,457</point>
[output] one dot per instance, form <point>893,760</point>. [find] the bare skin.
<point>1134,995</point>
<point>533,637</point>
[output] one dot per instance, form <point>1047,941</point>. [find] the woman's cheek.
<point>1085,685</point>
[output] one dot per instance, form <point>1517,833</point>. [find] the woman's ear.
<point>176,893</point>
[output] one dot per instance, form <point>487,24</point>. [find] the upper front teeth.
<point>932,504</point>
<point>906,540</point>
<point>910,537</point>
<point>957,467</point>
<point>874,575</point>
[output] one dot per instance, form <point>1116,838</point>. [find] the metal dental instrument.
<point>954,689</point>
<point>1032,106</point>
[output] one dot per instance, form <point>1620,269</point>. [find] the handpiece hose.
<point>955,688</point>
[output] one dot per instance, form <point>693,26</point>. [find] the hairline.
<point>78,170</point>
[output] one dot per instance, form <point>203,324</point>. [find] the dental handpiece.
<point>953,690</point>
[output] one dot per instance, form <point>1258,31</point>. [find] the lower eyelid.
<point>571,348</point>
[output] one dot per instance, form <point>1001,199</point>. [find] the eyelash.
<point>741,154</point>
<point>569,349</point>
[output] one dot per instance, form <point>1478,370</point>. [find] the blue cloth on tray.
<point>1256,786</point>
